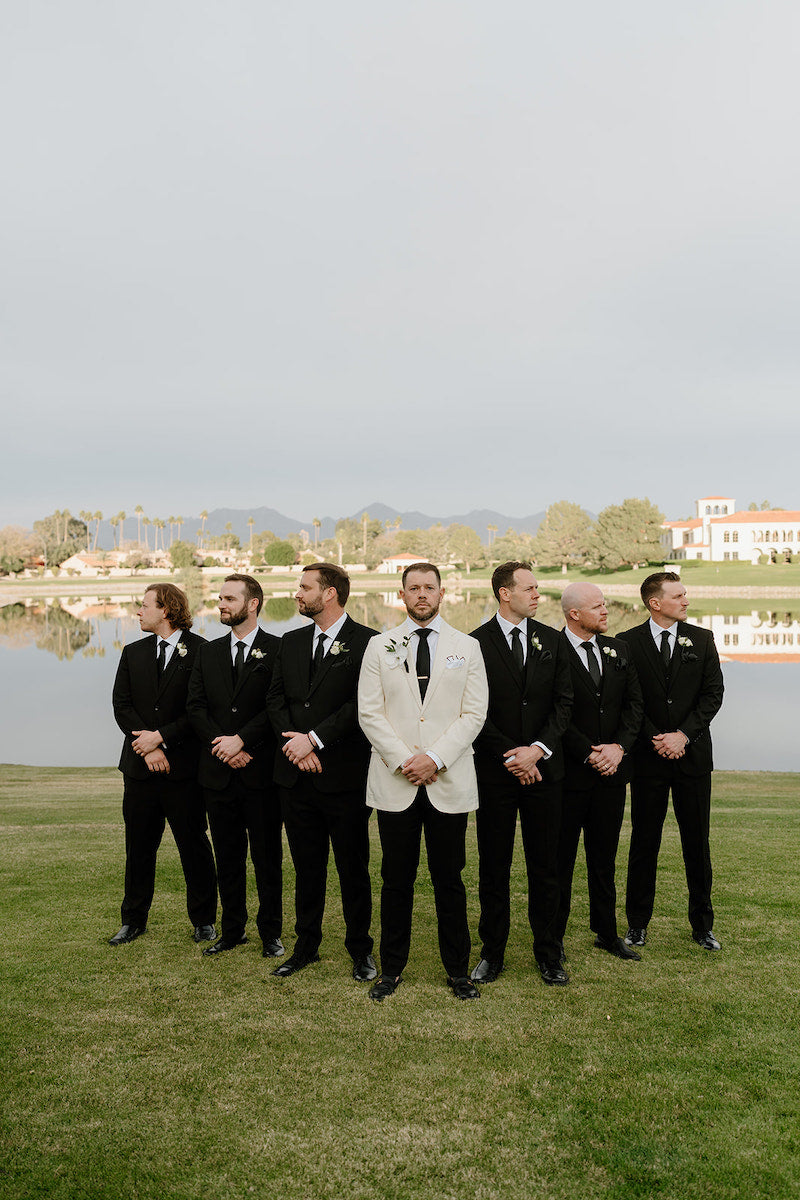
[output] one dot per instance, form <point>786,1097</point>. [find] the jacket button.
<point>234,708</point>
<point>421,720</point>
<point>156,708</point>
<point>307,704</point>
<point>669,702</point>
<point>524,702</point>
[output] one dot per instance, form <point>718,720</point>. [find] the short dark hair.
<point>174,603</point>
<point>429,568</point>
<point>652,586</point>
<point>252,588</point>
<point>330,575</point>
<point>503,575</point>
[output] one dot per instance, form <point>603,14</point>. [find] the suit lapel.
<point>172,667</point>
<point>583,674</point>
<point>652,655</point>
<point>327,661</point>
<point>503,652</point>
<point>258,644</point>
<point>533,655</point>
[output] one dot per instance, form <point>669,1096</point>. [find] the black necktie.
<point>591,662</point>
<point>516,649</point>
<point>319,654</point>
<point>423,661</point>
<point>162,657</point>
<point>665,654</point>
<point>238,665</point>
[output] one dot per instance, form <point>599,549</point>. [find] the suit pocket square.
<point>545,656</point>
<point>453,662</point>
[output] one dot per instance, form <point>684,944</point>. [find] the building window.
<point>736,535</point>
<point>726,555</point>
<point>724,510</point>
<point>735,555</point>
<point>726,537</point>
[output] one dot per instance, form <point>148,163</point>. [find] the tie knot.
<point>424,634</point>
<point>515,633</point>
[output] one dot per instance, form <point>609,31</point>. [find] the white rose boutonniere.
<point>182,650</point>
<point>685,642</point>
<point>686,647</point>
<point>537,645</point>
<point>396,654</point>
<point>610,651</point>
<point>338,648</point>
<point>256,653</point>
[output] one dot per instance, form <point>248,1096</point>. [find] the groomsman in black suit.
<point>227,707</point>
<point>520,767</point>
<point>321,765</point>
<point>159,764</point>
<point>606,715</point>
<point>681,680</point>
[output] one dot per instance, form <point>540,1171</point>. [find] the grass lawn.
<point>149,1072</point>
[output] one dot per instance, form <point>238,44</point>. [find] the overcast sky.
<point>445,255</point>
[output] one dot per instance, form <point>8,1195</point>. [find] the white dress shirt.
<point>248,641</point>
<point>577,642</point>
<point>507,627</point>
<point>172,642</point>
<point>657,631</point>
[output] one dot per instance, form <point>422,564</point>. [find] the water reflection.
<point>73,726</point>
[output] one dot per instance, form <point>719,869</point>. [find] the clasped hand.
<point>301,751</point>
<point>521,762</point>
<point>420,769</point>
<point>606,757</point>
<point>670,745</point>
<point>229,748</point>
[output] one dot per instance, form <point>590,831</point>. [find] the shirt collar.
<point>576,641</point>
<point>507,625</point>
<point>173,638</point>
<point>436,625</point>
<point>657,631</point>
<point>332,631</point>
<point>248,640</point>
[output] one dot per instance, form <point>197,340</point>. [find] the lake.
<point>58,659</point>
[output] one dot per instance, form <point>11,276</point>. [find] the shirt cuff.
<point>547,753</point>
<point>436,759</point>
<point>315,741</point>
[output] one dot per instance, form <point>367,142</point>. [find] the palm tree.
<point>179,523</point>
<point>159,524</point>
<point>171,522</point>
<point>316,523</point>
<point>114,522</point>
<point>86,517</point>
<point>204,517</point>
<point>364,519</point>
<point>492,530</point>
<point>122,516</point>
<point>98,516</point>
<point>251,522</point>
<point>146,521</point>
<point>139,510</point>
<point>229,531</point>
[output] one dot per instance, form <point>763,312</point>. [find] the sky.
<point>443,255</point>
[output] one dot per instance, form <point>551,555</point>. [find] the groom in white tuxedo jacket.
<point>422,700</point>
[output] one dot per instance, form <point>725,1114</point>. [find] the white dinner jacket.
<point>398,724</point>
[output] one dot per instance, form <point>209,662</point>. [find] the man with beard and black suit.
<point>421,702</point>
<point>321,768</point>
<point>159,764</point>
<point>682,686</point>
<point>227,707</point>
<point>520,768</point>
<point>605,719</point>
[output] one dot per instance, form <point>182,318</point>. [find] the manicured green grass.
<point>150,1072</point>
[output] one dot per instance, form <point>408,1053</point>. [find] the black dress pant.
<point>314,822</point>
<point>539,808</point>
<point>691,800</point>
<point>239,815</point>
<point>147,805</point>
<point>598,811</point>
<point>445,845</point>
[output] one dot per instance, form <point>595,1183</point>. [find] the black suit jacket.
<point>143,701</point>
<point>687,699</point>
<point>326,704</point>
<point>218,706</point>
<point>611,714</point>
<point>527,708</point>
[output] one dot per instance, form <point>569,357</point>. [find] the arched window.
<point>736,535</point>
<point>726,537</point>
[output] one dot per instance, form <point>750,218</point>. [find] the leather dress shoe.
<point>617,947</point>
<point>294,963</point>
<point>387,985</point>
<point>486,971</point>
<point>463,988</point>
<point>272,948</point>
<point>225,944</point>
<point>636,936</point>
<point>364,968</point>
<point>706,939</point>
<point>127,933</point>
<point>204,933</point>
<point>553,974</point>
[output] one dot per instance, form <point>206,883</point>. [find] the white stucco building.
<point>718,533</point>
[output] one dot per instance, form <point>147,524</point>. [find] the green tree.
<point>58,537</point>
<point>627,534</point>
<point>465,546</point>
<point>564,537</point>
<point>280,554</point>
<point>181,554</point>
<point>15,548</point>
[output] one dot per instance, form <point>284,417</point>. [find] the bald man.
<point>606,716</point>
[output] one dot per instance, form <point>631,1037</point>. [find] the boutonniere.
<point>454,660</point>
<point>396,654</point>
<point>536,645</point>
<point>182,650</point>
<point>687,649</point>
<point>338,648</point>
<point>611,653</point>
<point>256,653</point>
<point>685,642</point>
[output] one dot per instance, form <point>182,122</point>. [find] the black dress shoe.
<point>225,944</point>
<point>636,936</point>
<point>387,985</point>
<point>272,948</point>
<point>553,974</point>
<point>364,968</point>
<point>463,988</point>
<point>618,948</point>
<point>706,939</point>
<point>204,933</point>
<point>127,933</point>
<point>294,963</point>
<point>486,971</point>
